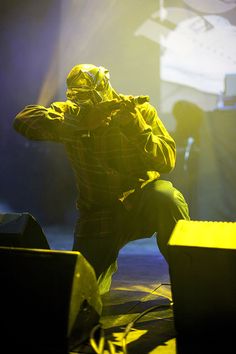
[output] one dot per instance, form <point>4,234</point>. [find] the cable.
<point>99,347</point>
<point>111,347</point>
<point>131,324</point>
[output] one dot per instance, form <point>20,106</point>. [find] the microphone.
<point>190,142</point>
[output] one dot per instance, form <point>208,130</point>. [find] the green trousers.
<point>155,209</point>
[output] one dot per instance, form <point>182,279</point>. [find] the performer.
<point>118,148</point>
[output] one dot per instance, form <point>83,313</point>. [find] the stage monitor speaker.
<point>21,230</point>
<point>202,267</point>
<point>49,300</point>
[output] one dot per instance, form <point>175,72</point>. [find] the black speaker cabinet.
<point>21,230</point>
<point>202,266</point>
<point>49,300</point>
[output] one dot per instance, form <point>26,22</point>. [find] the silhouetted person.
<point>118,148</point>
<point>189,119</point>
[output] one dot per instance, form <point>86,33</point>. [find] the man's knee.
<point>163,195</point>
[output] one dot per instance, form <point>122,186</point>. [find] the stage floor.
<point>141,282</point>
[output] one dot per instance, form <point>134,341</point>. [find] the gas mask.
<point>88,84</point>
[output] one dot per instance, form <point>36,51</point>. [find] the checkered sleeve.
<point>59,122</point>
<point>157,147</point>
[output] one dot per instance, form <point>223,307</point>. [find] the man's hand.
<point>128,115</point>
<point>89,117</point>
<point>120,111</point>
<point>100,114</point>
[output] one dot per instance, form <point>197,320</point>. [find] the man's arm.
<point>159,147</point>
<point>143,126</point>
<point>37,122</point>
<point>62,121</point>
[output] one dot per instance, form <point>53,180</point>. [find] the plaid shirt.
<point>109,163</point>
